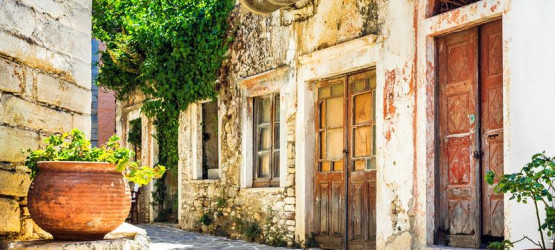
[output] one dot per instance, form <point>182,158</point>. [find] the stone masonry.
<point>45,67</point>
<point>262,44</point>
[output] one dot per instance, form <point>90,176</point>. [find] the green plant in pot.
<point>534,183</point>
<point>79,192</point>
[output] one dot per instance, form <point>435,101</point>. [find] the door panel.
<point>362,173</point>
<point>491,79</point>
<point>329,177</point>
<point>346,151</point>
<point>457,135</point>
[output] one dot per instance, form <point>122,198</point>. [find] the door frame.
<point>347,140</point>
<point>479,182</point>
<point>350,56</point>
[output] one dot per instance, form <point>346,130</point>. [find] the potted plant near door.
<point>79,192</point>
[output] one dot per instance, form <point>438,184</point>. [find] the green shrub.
<point>206,218</point>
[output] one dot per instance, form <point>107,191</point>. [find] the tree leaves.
<point>534,182</point>
<point>169,50</point>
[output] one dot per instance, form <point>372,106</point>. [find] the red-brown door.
<point>470,135</point>
<point>345,122</point>
<point>491,79</point>
<point>458,90</point>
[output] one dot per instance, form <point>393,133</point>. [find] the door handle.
<point>477,155</point>
<point>493,136</point>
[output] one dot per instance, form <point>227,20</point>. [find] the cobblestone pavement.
<point>166,238</point>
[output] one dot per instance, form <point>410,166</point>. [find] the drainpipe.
<point>264,7</point>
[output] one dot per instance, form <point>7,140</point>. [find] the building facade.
<point>368,123</point>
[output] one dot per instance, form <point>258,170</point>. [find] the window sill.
<point>263,189</point>
<point>438,247</point>
<point>200,181</point>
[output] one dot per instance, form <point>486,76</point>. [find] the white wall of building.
<point>530,101</point>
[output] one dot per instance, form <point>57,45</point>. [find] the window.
<point>447,5</point>
<point>209,126</point>
<point>266,141</point>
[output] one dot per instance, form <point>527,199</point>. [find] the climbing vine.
<point>169,50</point>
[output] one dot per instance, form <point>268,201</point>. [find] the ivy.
<point>169,50</point>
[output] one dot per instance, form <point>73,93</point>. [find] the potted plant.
<point>79,192</point>
<point>533,183</point>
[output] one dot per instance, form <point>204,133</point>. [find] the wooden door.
<point>491,80</point>
<point>346,162</point>
<point>471,213</point>
<point>331,147</point>
<point>458,146</point>
<point>362,160</point>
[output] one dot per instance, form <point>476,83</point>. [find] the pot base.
<point>77,236</point>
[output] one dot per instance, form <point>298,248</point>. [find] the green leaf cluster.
<point>134,135</point>
<point>168,49</point>
<point>533,183</point>
<point>74,146</point>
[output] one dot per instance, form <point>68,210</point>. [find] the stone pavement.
<point>166,238</point>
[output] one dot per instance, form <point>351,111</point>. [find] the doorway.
<point>345,168</point>
<point>470,135</point>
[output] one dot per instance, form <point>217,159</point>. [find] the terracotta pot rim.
<point>77,166</point>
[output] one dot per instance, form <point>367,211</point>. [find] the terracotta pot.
<point>78,200</point>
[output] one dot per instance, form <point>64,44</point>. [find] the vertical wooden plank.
<point>459,194</point>
<point>491,79</point>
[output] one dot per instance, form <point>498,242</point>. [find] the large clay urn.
<point>78,200</point>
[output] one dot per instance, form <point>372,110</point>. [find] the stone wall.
<point>263,59</point>
<point>45,81</point>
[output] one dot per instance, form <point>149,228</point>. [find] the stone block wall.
<point>45,80</point>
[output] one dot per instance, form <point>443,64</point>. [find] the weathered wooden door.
<point>458,90</point>
<point>362,160</point>
<point>470,135</point>
<point>491,79</point>
<point>330,178</point>
<point>346,162</point>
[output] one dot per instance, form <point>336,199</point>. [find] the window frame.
<point>201,106</point>
<point>272,180</point>
<point>196,129</point>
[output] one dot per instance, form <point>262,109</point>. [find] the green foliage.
<point>273,233</point>
<point>169,50</point>
<point>74,146</point>
<point>207,218</point>
<point>533,183</point>
<point>250,229</point>
<point>134,135</point>
<point>502,245</point>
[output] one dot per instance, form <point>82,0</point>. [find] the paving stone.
<point>165,237</point>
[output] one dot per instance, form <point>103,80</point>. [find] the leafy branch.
<point>534,182</point>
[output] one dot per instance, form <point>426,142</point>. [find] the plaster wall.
<point>531,98</point>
